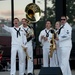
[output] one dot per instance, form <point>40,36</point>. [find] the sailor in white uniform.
<point>57,51</point>
<point>65,44</point>
<point>30,34</point>
<point>18,39</point>
<point>45,37</point>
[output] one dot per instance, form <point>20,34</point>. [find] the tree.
<point>70,11</point>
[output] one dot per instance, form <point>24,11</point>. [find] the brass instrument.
<point>33,12</point>
<point>30,33</point>
<point>25,49</point>
<point>53,45</point>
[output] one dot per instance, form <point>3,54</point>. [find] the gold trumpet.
<point>25,50</point>
<point>53,45</point>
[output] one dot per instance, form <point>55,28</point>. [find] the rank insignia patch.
<point>67,32</point>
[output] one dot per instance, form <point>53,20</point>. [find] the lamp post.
<point>12,11</point>
<point>60,8</point>
<point>45,10</point>
<point>34,27</point>
<point>33,1</point>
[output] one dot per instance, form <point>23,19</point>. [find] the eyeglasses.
<point>63,19</point>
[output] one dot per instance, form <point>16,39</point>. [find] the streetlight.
<point>12,11</point>
<point>33,1</point>
<point>34,27</point>
<point>45,9</point>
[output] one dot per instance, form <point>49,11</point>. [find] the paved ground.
<point>35,71</point>
<point>8,73</point>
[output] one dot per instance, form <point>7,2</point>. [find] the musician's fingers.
<point>2,25</point>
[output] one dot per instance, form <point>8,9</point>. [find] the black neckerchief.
<point>47,33</point>
<point>26,30</point>
<point>60,29</point>
<point>28,38</point>
<point>18,32</point>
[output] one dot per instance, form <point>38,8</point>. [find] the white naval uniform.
<point>57,51</point>
<point>46,49</point>
<point>65,45</point>
<point>30,52</point>
<point>16,46</point>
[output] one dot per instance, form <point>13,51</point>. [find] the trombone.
<point>25,50</point>
<point>33,14</point>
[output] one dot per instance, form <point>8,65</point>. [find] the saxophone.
<point>53,45</point>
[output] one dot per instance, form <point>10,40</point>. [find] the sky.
<point>19,7</point>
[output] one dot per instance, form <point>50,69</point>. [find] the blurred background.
<point>50,9</point>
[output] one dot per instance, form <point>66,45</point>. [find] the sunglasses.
<point>63,19</point>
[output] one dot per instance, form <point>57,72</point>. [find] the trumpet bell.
<point>33,12</point>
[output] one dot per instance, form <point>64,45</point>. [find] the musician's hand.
<point>2,25</point>
<point>45,38</point>
<point>27,35</point>
<point>42,37</point>
<point>32,35</point>
<point>57,39</point>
